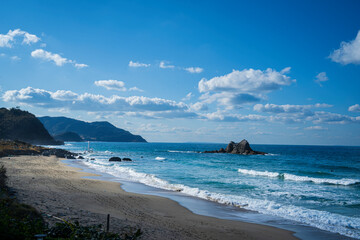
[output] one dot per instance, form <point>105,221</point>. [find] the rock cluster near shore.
<point>117,159</point>
<point>14,148</point>
<point>242,147</point>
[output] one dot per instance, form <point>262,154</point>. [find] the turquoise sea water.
<point>314,185</point>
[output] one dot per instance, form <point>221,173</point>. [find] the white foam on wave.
<point>272,154</point>
<point>348,226</point>
<point>160,158</point>
<point>292,177</point>
<point>178,151</point>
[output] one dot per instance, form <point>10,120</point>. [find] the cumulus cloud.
<point>115,85</point>
<point>54,57</point>
<point>354,108</point>
<point>163,64</point>
<point>194,69</point>
<point>229,99</point>
<point>138,64</point>
<point>48,56</point>
<point>199,106</point>
<point>92,102</point>
<point>349,52</point>
<point>7,40</point>
<point>321,77</point>
<point>111,84</point>
<point>247,80</point>
<point>242,87</point>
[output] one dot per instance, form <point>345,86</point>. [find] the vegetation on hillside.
<point>16,124</point>
<point>94,131</point>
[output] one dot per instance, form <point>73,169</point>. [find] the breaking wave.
<point>292,177</point>
<point>332,222</point>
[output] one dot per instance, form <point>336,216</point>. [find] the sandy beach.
<point>56,189</point>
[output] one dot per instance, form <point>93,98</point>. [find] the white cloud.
<point>247,80</point>
<point>64,95</point>
<point>81,65</point>
<point>111,84</point>
<point>321,77</point>
<point>332,118</point>
<point>95,103</point>
<point>136,89</point>
<point>2,54</point>
<point>242,87</point>
<point>188,96</point>
<point>349,52</point>
<point>138,64</point>
<point>163,65</point>
<point>194,69</point>
<point>354,108</point>
<point>54,57</point>
<point>199,106</point>
<point>287,108</point>
<point>115,85</point>
<point>48,56</point>
<point>7,40</point>
<point>15,58</point>
<point>315,128</point>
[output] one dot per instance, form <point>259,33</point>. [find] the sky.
<point>272,72</point>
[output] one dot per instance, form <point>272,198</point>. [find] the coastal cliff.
<point>16,124</point>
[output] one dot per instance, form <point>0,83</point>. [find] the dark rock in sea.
<point>70,157</point>
<point>115,159</point>
<point>242,147</point>
<point>127,159</point>
<point>80,157</point>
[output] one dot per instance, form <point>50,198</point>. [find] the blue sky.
<point>273,72</point>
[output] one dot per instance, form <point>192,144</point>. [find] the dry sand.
<point>56,189</point>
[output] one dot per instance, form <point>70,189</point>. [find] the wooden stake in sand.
<point>108,223</point>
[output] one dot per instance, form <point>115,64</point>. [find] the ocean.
<point>315,186</point>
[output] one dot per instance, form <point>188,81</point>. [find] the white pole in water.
<point>88,145</point>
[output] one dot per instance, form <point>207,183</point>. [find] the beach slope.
<point>58,190</point>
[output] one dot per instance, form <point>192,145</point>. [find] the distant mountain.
<point>68,137</point>
<point>94,131</point>
<point>16,124</point>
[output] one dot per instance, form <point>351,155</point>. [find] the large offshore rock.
<point>242,147</point>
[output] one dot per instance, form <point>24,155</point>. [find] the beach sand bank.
<point>56,189</point>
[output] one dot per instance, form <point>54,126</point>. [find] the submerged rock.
<point>242,147</point>
<point>115,159</point>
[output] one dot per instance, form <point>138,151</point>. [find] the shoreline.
<point>54,188</point>
<point>212,209</point>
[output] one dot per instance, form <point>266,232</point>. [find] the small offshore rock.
<point>115,159</point>
<point>127,159</point>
